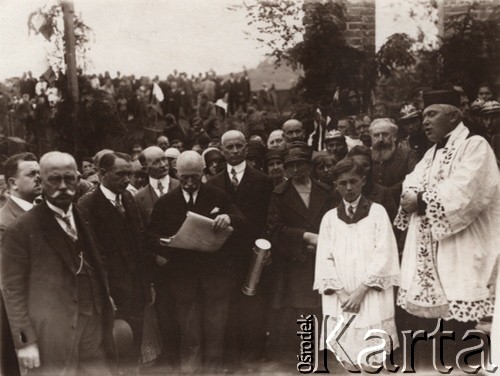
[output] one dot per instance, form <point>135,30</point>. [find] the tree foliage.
<point>279,27</point>
<point>48,21</point>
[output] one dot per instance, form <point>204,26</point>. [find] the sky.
<point>149,37</point>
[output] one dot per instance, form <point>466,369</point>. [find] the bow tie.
<point>441,144</point>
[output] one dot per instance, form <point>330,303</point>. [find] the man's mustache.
<point>382,145</point>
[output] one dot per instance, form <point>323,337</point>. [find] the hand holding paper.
<point>199,233</point>
<point>221,222</point>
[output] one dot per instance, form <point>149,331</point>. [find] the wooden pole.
<point>71,76</point>
<point>69,53</point>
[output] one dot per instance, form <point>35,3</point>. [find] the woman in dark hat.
<point>256,154</point>
<point>214,162</point>
<point>295,213</point>
<point>275,167</point>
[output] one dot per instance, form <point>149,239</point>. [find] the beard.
<point>382,151</point>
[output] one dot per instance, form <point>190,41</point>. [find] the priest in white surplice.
<point>451,206</point>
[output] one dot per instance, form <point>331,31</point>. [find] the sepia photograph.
<point>249,187</point>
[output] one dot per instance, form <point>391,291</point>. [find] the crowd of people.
<point>28,104</point>
<point>391,223</point>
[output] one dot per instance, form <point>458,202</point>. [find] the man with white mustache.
<point>53,281</point>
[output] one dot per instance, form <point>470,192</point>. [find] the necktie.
<point>234,179</point>
<point>190,203</point>
<point>160,187</point>
<point>68,227</point>
<point>350,211</point>
<point>119,205</point>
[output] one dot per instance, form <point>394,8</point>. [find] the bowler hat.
<point>450,97</point>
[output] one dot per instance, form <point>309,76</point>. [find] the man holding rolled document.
<point>199,282</point>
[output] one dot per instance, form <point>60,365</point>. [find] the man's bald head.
<point>163,142</point>
<point>190,170</point>
<point>293,130</point>
<point>234,147</point>
<point>190,160</point>
<point>59,178</point>
<point>148,153</point>
<point>155,162</point>
<point>232,135</point>
<point>56,158</point>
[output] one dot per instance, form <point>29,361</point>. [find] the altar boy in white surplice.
<point>357,267</point>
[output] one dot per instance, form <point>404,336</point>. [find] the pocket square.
<point>215,210</point>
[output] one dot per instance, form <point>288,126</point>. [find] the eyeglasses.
<point>57,179</point>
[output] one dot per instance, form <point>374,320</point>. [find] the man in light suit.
<point>156,164</point>
<point>115,218</point>
<point>22,175</point>
<point>53,281</point>
<point>199,282</point>
<point>251,191</point>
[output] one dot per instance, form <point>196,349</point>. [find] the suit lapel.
<point>317,201</point>
<point>107,212</point>
<point>55,235</point>
<point>83,227</point>
<point>203,204</point>
<point>173,183</point>
<point>245,182</point>
<point>295,203</point>
<point>152,196</point>
<point>14,208</point>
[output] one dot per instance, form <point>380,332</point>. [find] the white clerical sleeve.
<point>410,185</point>
<point>383,267</point>
<point>469,189</point>
<point>326,275</point>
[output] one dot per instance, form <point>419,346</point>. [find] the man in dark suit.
<point>53,281</point>
<point>115,218</point>
<point>391,163</point>
<point>251,191</point>
<point>156,164</point>
<point>199,282</point>
<point>22,176</point>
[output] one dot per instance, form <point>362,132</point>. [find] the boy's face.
<point>350,185</point>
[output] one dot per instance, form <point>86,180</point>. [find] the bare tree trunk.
<point>70,58</point>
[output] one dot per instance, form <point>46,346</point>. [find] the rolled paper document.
<point>260,251</point>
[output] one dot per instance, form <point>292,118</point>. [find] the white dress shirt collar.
<point>240,170</point>
<point>165,181</point>
<point>59,211</point>
<point>186,196</point>
<point>25,205</point>
<point>354,204</point>
<point>111,196</point>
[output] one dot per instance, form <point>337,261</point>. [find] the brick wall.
<point>360,19</point>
